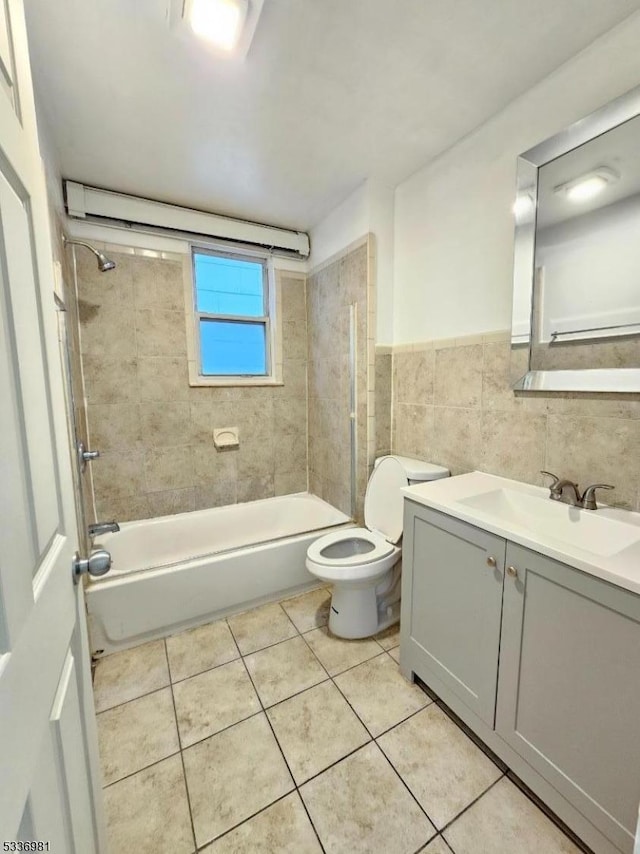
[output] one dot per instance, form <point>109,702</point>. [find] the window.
<point>233,337</point>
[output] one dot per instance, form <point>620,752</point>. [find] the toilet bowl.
<point>363,564</point>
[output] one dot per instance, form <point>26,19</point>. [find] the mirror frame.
<point>615,113</point>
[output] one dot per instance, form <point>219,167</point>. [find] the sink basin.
<point>543,518</point>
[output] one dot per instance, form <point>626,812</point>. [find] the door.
<point>47,730</point>
<point>560,627</point>
<point>456,604</point>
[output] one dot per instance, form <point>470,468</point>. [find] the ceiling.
<point>332,92</point>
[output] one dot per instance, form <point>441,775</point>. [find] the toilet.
<point>363,564</point>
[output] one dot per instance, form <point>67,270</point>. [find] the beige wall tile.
<point>210,464</point>
<point>163,424</point>
<point>290,453</point>
<point>171,501</point>
<point>293,481</point>
<point>168,468</point>
<point>107,331</point>
<point>513,444</point>
<point>413,376</point>
<point>457,440</point>
<point>124,509</point>
<point>413,430</point>
<point>109,380</point>
<point>254,488</point>
<point>116,475</point>
<point>294,339</point>
<point>160,333</point>
<point>162,378</point>
<point>256,457</point>
<point>157,283</point>
<point>290,416</point>
<point>597,450</point>
<point>458,376</point>
<point>219,493</point>
<point>114,426</point>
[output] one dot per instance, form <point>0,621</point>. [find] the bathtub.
<point>174,572</point>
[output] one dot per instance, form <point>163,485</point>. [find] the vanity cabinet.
<point>541,660</point>
<point>456,606</point>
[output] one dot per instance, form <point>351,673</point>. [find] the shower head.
<point>104,263</point>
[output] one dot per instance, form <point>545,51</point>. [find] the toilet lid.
<point>383,502</point>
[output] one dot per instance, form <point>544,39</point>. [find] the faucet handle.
<point>588,500</point>
<point>556,479</point>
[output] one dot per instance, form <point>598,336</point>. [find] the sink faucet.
<point>103,528</point>
<point>587,501</point>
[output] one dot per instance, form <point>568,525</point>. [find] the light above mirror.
<point>587,186</point>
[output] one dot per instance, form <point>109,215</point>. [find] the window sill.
<point>236,382</point>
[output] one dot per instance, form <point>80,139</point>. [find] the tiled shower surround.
<point>452,403</point>
<point>154,431</point>
<point>342,281</point>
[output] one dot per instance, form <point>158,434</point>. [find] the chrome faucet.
<point>103,528</point>
<point>587,501</point>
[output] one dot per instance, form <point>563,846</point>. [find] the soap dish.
<point>226,437</point>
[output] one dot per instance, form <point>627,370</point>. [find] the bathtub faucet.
<point>103,528</point>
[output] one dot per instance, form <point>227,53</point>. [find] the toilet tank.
<point>419,471</point>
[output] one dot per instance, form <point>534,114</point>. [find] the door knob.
<point>98,563</point>
<point>491,561</point>
<point>512,571</point>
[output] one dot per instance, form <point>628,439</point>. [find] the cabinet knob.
<point>512,571</point>
<point>491,561</point>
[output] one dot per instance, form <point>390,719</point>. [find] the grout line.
<point>139,770</point>
<point>132,700</point>
<point>284,758</point>
<point>473,802</point>
<point>244,821</point>
<point>184,770</point>
<point>399,776</point>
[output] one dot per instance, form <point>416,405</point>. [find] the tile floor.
<point>264,733</point>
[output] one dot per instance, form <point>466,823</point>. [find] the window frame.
<point>268,320</point>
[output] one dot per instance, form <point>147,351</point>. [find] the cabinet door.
<point>569,688</point>
<point>456,603</point>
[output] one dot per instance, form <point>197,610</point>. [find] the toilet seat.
<point>381,548</point>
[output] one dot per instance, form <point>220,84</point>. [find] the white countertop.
<point>615,527</point>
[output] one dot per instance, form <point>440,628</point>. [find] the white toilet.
<point>363,564</point>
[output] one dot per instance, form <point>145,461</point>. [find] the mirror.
<point>576,296</point>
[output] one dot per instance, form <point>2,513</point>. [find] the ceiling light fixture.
<point>220,22</point>
<point>588,185</point>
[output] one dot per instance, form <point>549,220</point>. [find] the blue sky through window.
<point>231,348</point>
<point>229,286</point>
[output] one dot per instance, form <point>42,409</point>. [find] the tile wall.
<point>343,280</point>
<point>154,431</point>
<point>453,405</point>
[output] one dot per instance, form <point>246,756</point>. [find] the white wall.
<point>370,208</point>
<point>453,219</point>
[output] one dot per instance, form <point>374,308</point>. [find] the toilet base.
<point>360,612</point>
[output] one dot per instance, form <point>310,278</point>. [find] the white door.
<point>49,791</point>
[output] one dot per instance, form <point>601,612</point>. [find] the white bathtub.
<point>174,572</point>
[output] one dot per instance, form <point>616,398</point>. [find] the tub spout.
<point>103,528</point>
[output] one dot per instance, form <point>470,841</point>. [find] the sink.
<point>543,518</point>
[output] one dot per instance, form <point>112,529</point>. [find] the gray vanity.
<point>523,616</point>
